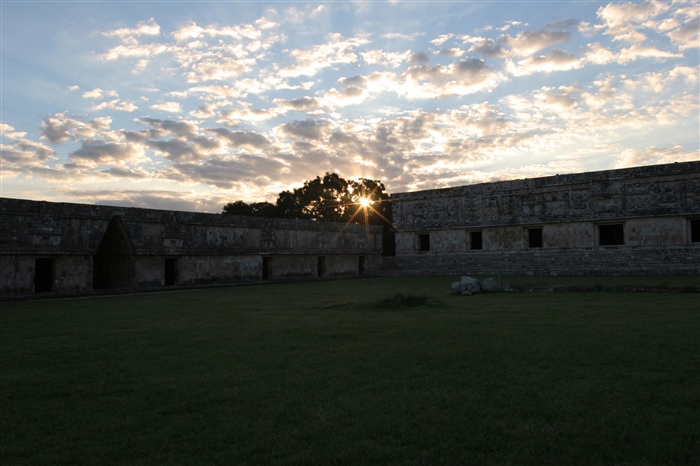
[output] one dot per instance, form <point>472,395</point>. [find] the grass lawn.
<point>321,374</point>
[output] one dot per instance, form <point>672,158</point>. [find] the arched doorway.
<point>113,265</point>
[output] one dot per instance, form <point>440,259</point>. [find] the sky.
<point>190,105</point>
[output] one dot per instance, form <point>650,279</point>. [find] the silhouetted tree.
<point>255,209</point>
<point>328,198</point>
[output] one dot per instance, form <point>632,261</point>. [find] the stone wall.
<point>638,220</point>
<point>61,247</point>
<point>596,261</point>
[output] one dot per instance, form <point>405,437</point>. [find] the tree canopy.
<point>328,198</point>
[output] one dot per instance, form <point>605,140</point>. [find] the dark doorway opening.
<point>361,265</point>
<point>43,275</point>
<point>321,267</point>
<point>266,268</point>
<point>114,262</point>
<point>388,241</point>
<point>170,271</point>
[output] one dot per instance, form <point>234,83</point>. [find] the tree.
<point>256,209</point>
<point>328,198</point>
<point>325,199</point>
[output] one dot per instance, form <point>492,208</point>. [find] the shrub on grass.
<point>402,300</point>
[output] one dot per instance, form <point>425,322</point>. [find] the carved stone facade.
<point>77,248</point>
<point>643,220</point>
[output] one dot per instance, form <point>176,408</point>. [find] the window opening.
<point>361,265</point>
<point>475,240</point>
<point>695,231</point>
<point>611,235</point>
<point>534,237</point>
<point>424,242</point>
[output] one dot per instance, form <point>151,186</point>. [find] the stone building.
<point>643,220</point>
<point>77,248</point>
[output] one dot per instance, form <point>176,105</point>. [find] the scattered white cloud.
<point>144,28</point>
<point>170,107</point>
<point>213,112</point>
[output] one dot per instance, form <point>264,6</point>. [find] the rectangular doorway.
<point>43,275</point>
<point>170,271</point>
<point>266,268</point>
<point>321,267</point>
<point>361,265</point>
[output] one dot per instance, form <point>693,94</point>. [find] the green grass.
<point>327,373</point>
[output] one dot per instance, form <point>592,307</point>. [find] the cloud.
<point>302,104</point>
<point>351,95</point>
<point>451,52</point>
<point>654,155</point>
<point>384,58</point>
<point>310,61</point>
<point>265,107</point>
<point>220,69</point>
<point>234,117</point>
<point>60,128</point>
<point>144,28</point>
<point>98,93</point>
<point>10,133</point>
<point>556,61</point>
<point>178,200</point>
<point>461,78</point>
<point>242,138</point>
<point>687,36</point>
<point>115,104</point>
<point>96,152</point>
<point>170,107</point>
<point>310,130</point>
<point>224,173</point>
<point>485,46</point>
<point>26,152</point>
<point>527,43</point>
<point>620,20</point>
<point>418,59</point>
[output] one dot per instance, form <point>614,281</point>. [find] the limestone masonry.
<point>62,248</point>
<point>643,220</point>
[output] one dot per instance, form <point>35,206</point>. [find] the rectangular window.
<point>611,235</point>
<point>695,231</point>
<point>424,242</point>
<point>475,240</point>
<point>534,237</point>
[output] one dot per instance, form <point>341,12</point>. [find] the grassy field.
<point>327,373</point>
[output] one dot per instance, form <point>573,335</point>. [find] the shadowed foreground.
<point>327,373</point>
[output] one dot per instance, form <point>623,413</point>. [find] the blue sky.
<point>190,105</point>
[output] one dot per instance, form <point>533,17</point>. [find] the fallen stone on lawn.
<point>467,286</point>
<point>489,284</point>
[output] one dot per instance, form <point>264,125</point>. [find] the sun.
<point>365,202</point>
